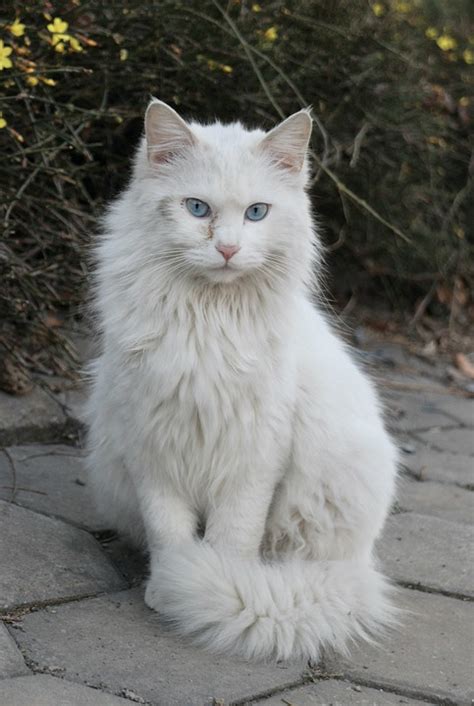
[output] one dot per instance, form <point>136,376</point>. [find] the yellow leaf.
<point>468,56</point>
<point>17,28</point>
<point>123,54</point>
<point>378,9</point>
<point>74,44</point>
<point>48,81</point>
<point>31,80</point>
<point>431,32</point>
<point>3,122</point>
<point>56,38</point>
<point>401,6</point>
<point>271,34</point>
<point>58,26</point>
<point>5,51</point>
<point>226,68</point>
<point>445,42</point>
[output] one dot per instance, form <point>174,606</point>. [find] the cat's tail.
<point>268,611</point>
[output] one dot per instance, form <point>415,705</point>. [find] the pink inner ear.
<point>166,133</point>
<point>160,156</point>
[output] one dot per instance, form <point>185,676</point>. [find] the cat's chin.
<point>223,275</point>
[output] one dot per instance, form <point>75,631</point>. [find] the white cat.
<point>230,431</point>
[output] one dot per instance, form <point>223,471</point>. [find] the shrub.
<point>390,86</point>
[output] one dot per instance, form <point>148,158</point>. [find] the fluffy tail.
<point>268,611</point>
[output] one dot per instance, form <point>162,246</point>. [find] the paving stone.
<point>50,479</point>
<point>448,502</point>
<point>73,400</point>
<point>431,653</point>
<point>43,559</point>
<point>456,441</point>
<point>44,690</point>
<point>409,411</point>
<point>33,417</point>
<point>337,693</point>
<point>11,659</point>
<point>116,642</point>
<point>437,554</point>
<point>429,464</point>
<point>461,408</point>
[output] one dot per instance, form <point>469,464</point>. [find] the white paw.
<point>151,595</point>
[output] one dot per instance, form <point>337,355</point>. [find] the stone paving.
<point>75,630</point>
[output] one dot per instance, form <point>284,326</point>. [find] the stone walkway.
<point>75,630</point>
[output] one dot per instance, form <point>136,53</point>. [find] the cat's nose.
<point>227,251</point>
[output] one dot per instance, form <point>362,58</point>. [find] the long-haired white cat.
<point>230,433</point>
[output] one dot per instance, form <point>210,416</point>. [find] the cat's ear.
<point>166,132</point>
<point>287,142</point>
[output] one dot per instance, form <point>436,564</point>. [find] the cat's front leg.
<point>236,521</point>
<point>170,523</point>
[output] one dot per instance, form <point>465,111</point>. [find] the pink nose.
<point>227,251</point>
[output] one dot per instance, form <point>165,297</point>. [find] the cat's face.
<point>228,201</point>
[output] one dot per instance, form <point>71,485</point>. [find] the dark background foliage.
<point>390,83</point>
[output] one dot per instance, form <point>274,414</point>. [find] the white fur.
<point>223,399</point>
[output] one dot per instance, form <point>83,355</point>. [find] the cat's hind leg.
<point>338,487</point>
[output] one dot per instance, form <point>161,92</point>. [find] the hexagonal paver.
<point>459,440</point>
<point>49,479</point>
<point>330,692</point>
<point>43,690</point>
<point>409,411</point>
<point>448,502</point>
<point>431,653</point>
<point>45,560</point>
<point>437,554</point>
<point>115,641</point>
<point>429,464</point>
<point>11,659</point>
<point>36,416</point>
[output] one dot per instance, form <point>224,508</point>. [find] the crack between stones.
<point>435,591</point>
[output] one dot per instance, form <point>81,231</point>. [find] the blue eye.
<point>197,207</point>
<point>256,211</point>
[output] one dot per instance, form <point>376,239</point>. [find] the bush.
<point>389,83</point>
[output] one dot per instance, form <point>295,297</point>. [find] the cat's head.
<point>221,201</point>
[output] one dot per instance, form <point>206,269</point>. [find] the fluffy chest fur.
<point>214,383</point>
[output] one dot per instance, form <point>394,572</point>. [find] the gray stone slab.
<point>426,551</point>
<point>119,644</point>
<point>330,692</point>
<point>51,479</point>
<point>461,408</point>
<point>457,441</point>
<point>73,400</point>
<point>448,502</point>
<point>11,659</point>
<point>45,560</point>
<point>44,690</point>
<point>407,411</point>
<point>431,653</point>
<point>429,464</point>
<point>36,416</point>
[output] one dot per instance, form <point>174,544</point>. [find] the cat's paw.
<point>151,595</point>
